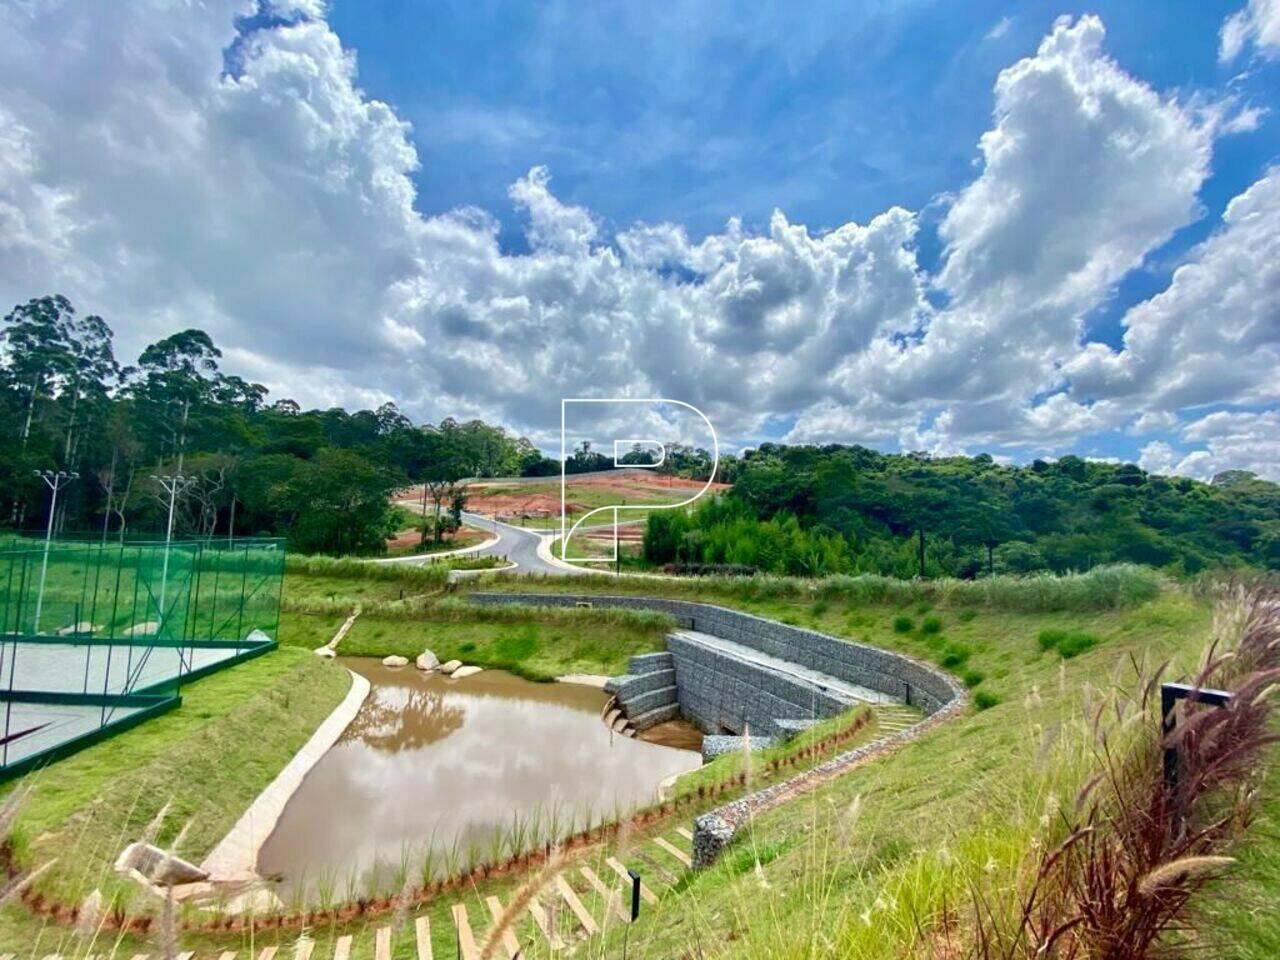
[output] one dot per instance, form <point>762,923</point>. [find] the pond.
<point>457,765</point>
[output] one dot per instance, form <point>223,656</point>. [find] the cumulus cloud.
<point>227,171</point>
<point>1085,172</point>
<point>1221,441</point>
<point>1212,336</point>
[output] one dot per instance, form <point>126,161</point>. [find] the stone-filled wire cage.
<point>97,636</point>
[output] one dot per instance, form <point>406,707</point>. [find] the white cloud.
<point>1257,24</point>
<point>1227,441</point>
<point>1086,171</point>
<point>275,207</point>
<point>1213,335</point>
<point>999,29</point>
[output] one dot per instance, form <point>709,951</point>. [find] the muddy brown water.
<point>430,761</point>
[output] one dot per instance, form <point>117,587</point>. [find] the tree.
<point>178,374</point>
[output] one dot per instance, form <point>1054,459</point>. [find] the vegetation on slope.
<point>205,762</point>
<point>814,511</point>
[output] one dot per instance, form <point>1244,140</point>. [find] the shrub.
<point>985,699</point>
<point>819,607</point>
<point>418,574</point>
<point>964,616</point>
<point>931,625</point>
<point>708,569</point>
<point>1102,588</point>
<point>972,678</point>
<point>1077,643</point>
<point>1049,639</point>
<point>1069,643</point>
<point>903,624</point>
<point>955,654</point>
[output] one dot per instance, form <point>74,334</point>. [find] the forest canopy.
<point>322,478</point>
<point>325,478</point>
<point>809,510</point>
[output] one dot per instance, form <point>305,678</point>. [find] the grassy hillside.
<point>206,761</point>
<point>866,866</point>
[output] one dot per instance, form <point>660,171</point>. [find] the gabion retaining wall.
<point>901,677</point>
<point>722,694</point>
<point>713,690</point>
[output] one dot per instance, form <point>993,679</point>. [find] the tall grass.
<point>1135,849</point>
<point>351,568</point>
<point>1102,588</point>
<point>453,610</point>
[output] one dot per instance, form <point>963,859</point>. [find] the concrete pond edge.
<point>236,855</point>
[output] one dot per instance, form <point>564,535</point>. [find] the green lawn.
<point>207,760</point>
<point>854,869</point>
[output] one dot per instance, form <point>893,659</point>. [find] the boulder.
<point>195,891</point>
<point>157,866</point>
<point>395,660</point>
<point>427,661</point>
<point>449,666</point>
<point>466,672</point>
<point>259,902</point>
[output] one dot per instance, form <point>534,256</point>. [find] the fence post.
<point>1170,694</point>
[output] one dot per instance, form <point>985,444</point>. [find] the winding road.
<point>518,545</point>
<point>528,549</point>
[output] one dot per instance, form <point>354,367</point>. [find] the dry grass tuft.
<point>1138,849</point>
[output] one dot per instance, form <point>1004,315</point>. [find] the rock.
<point>255,902</point>
<point>84,626</point>
<point>157,866</point>
<point>449,666</point>
<point>195,891</point>
<point>461,672</point>
<point>427,661</point>
<point>395,660</point>
<point>90,914</point>
<point>324,652</point>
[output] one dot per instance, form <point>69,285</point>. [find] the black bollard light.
<point>635,895</point>
<point>635,910</point>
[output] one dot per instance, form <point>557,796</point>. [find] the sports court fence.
<point>96,637</point>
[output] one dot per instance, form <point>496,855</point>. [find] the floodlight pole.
<point>53,479</point>
<point>171,484</point>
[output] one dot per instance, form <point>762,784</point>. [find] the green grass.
<point>1102,588</point>
<point>208,759</point>
<point>858,867</point>
<point>533,650</point>
<point>538,643</point>
<point>1240,916</point>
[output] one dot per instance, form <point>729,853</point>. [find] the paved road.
<point>516,544</point>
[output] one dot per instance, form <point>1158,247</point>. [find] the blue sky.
<point>1019,228</point>
<point>700,112</point>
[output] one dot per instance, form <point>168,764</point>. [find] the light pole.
<point>54,479</point>
<point>171,484</point>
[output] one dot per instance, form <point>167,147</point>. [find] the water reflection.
<point>403,716</point>
<point>466,767</point>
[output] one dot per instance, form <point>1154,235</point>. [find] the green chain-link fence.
<point>97,636</point>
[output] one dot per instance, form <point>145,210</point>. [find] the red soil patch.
<point>406,540</point>
<point>509,501</point>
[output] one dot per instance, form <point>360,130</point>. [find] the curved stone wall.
<point>720,691</point>
<point>895,675</point>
